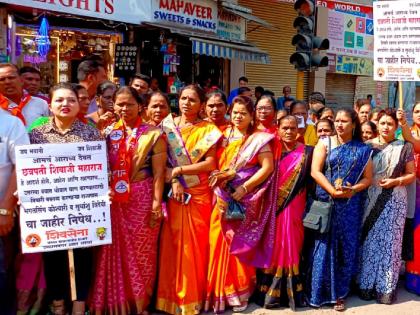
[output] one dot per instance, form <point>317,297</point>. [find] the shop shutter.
<point>276,42</point>
<point>340,90</point>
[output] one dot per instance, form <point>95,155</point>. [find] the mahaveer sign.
<point>197,14</point>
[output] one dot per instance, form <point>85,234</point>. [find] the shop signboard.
<point>230,26</point>
<point>350,29</point>
<point>397,40</point>
<point>128,11</point>
<point>193,14</point>
<point>63,191</point>
<point>350,65</point>
<point>125,60</point>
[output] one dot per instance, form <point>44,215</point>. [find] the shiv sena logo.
<point>33,240</point>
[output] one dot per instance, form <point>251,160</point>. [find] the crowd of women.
<point>212,214</point>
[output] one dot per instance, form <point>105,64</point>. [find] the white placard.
<point>129,11</point>
<point>197,14</point>
<point>63,191</point>
<point>397,40</point>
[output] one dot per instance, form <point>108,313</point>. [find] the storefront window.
<point>68,48</point>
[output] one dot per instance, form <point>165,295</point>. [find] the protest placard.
<point>63,192</point>
<point>397,40</point>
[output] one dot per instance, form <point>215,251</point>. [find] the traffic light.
<point>307,45</point>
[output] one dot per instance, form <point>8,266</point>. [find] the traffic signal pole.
<point>300,85</point>
<point>307,57</point>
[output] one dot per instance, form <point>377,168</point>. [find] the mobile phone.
<point>346,187</point>
<point>187,197</point>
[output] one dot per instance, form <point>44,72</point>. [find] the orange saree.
<point>228,281</point>
<point>185,235</point>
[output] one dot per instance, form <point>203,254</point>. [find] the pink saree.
<point>281,281</point>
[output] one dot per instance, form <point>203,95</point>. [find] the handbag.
<point>235,210</point>
<point>318,217</point>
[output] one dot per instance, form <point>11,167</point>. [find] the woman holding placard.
<point>126,269</point>
<point>65,127</point>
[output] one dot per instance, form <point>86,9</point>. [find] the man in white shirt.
<point>11,86</point>
<point>12,134</point>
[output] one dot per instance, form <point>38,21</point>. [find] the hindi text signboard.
<point>63,192</point>
<point>397,40</point>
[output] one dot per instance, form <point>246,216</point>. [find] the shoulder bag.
<point>318,216</point>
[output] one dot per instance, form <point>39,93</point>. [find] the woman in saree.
<point>65,127</point>
<point>126,269</point>
<point>157,108</point>
<point>246,161</point>
<point>216,108</point>
<point>265,120</point>
<point>184,240</point>
<point>333,257</point>
<point>412,135</point>
<point>385,212</point>
<point>281,283</point>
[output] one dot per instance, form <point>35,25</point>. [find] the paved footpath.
<point>406,304</point>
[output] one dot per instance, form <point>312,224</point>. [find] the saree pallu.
<point>252,239</point>
<point>383,226</point>
<point>281,283</point>
<point>229,281</point>
<point>332,261</point>
<point>184,242</point>
<point>126,269</point>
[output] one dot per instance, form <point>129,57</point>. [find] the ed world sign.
<point>197,14</point>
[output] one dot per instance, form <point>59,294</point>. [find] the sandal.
<point>340,306</point>
<point>241,308</point>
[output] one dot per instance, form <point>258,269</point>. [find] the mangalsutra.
<point>340,180</point>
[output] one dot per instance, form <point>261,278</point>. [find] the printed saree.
<point>280,284</point>
<point>229,281</point>
<point>383,225</point>
<point>184,240</point>
<point>332,260</point>
<point>125,271</point>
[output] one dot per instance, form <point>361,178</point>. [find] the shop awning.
<point>228,50</point>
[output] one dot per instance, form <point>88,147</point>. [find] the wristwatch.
<point>5,212</point>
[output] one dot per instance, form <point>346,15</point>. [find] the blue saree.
<point>332,258</point>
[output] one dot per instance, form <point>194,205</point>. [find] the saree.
<point>184,239</point>
<point>229,281</point>
<point>383,225</point>
<point>125,270</point>
<point>281,284</point>
<point>332,259</point>
<point>412,276</point>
